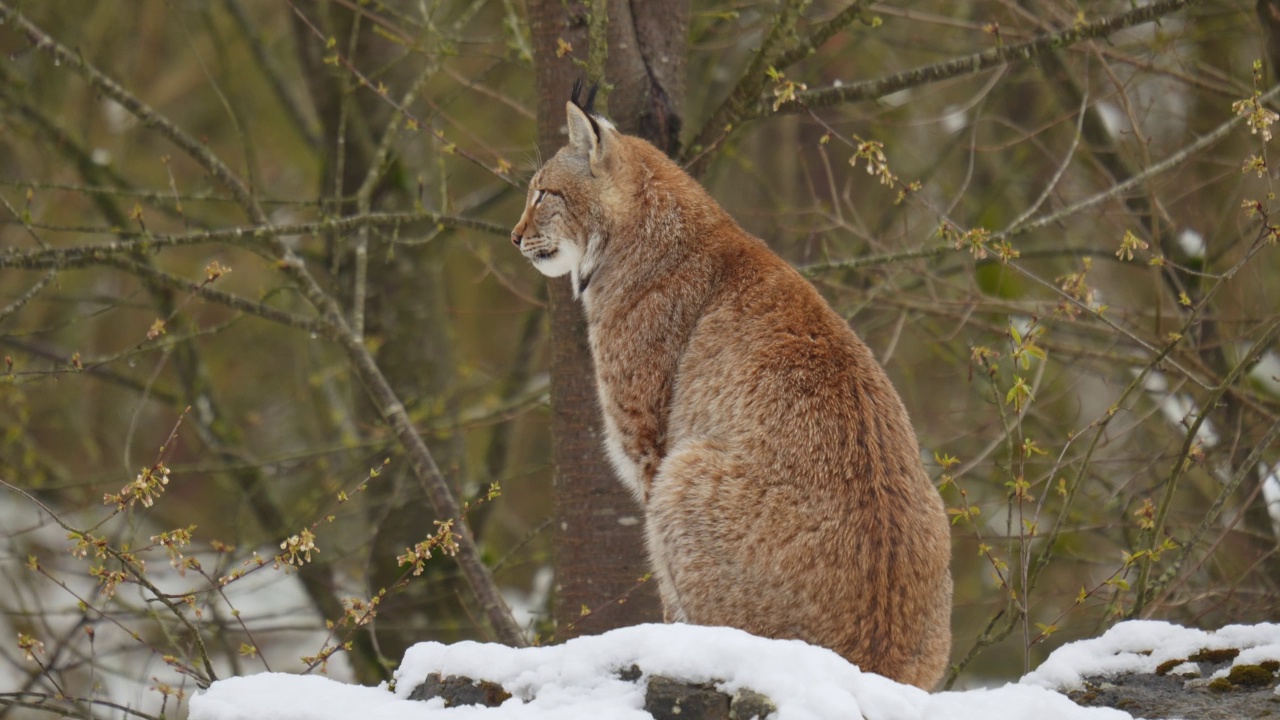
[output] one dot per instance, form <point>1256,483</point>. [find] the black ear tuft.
<point>588,107</point>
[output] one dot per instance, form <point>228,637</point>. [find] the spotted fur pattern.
<point>780,477</point>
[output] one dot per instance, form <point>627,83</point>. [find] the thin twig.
<point>1182,156</point>
<point>364,199</point>
<point>272,73</point>
<point>197,150</point>
<point>1183,462</point>
<point>744,105</point>
<point>742,102</point>
<point>986,60</point>
<point>27,296</point>
<point>388,404</point>
<point>139,576</point>
<point>45,703</point>
<point>252,237</point>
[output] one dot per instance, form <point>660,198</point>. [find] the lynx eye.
<point>537,199</point>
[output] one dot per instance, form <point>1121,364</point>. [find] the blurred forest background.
<point>256,291</point>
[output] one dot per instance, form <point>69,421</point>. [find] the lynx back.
<point>780,477</point>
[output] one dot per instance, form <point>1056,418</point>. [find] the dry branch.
<point>746,102</point>
<point>389,406</point>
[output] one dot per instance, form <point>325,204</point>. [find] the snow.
<point>277,696</point>
<point>954,119</point>
<point>579,680</point>
<point>1115,120</point>
<point>1266,372</point>
<point>1179,408</point>
<point>1140,646</point>
<point>1192,243</point>
<point>529,607</point>
<point>1270,478</point>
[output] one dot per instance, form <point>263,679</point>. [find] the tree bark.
<point>1269,18</point>
<point>600,546</point>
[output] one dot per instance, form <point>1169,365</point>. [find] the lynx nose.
<point>515,238</point>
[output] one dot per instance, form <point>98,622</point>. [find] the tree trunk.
<point>600,547</point>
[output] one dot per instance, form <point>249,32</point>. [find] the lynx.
<point>780,478</point>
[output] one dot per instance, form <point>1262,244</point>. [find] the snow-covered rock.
<point>1157,670</point>
<point>592,677</point>
<point>1153,669</point>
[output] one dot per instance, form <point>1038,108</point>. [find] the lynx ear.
<point>592,138</point>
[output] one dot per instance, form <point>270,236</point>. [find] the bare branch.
<point>820,36</point>
<point>1137,179</point>
<point>144,112</point>
<point>27,296</point>
<point>747,102</point>
<point>45,702</point>
<point>272,73</point>
<point>743,102</point>
<point>337,329</point>
<point>251,237</point>
<point>986,60</point>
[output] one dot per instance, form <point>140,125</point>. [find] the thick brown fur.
<point>779,474</point>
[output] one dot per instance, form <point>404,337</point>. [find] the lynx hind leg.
<point>935,651</point>
<point>695,534</point>
<point>732,551</point>
<point>672,609</point>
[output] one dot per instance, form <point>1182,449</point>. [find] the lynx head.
<point>563,227</point>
